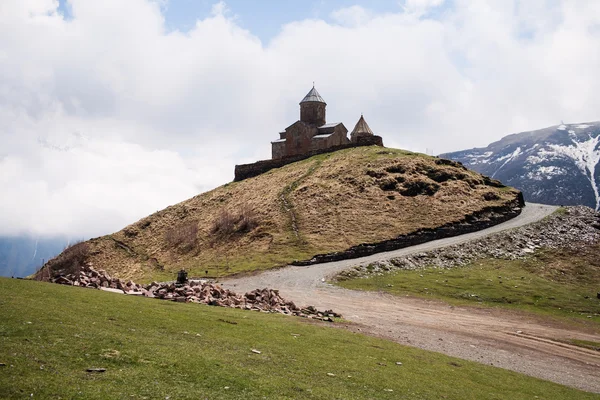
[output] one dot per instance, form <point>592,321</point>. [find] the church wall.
<point>298,138</point>
<point>278,150</point>
<point>313,113</point>
<point>340,136</point>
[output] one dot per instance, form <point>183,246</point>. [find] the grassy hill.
<point>51,334</point>
<point>324,204</point>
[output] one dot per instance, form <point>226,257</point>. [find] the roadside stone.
<point>112,290</point>
<point>202,291</point>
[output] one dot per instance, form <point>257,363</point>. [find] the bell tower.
<point>312,108</point>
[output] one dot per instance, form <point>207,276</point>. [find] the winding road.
<point>503,338</point>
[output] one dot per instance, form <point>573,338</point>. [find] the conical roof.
<point>362,128</point>
<point>312,96</point>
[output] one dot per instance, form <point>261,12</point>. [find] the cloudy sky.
<point>113,109</point>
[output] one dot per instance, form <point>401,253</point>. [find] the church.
<point>312,133</point>
<point>309,136</point>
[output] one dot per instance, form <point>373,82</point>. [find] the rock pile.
<point>203,292</point>
<point>570,227</point>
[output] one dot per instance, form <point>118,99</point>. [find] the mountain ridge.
<point>21,255</point>
<point>555,165</point>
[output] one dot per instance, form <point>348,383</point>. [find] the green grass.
<point>50,335</point>
<point>562,283</point>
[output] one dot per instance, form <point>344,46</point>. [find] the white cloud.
<point>351,16</point>
<point>108,116</point>
<point>421,6</point>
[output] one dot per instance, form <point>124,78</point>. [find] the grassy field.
<point>553,282</point>
<point>323,204</point>
<point>50,335</point>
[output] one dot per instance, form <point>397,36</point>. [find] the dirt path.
<point>501,338</point>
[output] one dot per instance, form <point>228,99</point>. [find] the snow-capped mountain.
<point>556,165</point>
<point>22,255</point>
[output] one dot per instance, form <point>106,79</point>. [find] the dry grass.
<point>183,236</point>
<point>230,223</point>
<point>323,204</point>
<point>70,261</point>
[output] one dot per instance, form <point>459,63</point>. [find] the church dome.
<point>362,128</point>
<point>313,97</point>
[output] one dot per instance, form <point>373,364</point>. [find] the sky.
<point>111,110</point>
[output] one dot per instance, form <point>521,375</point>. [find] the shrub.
<point>416,188</point>
<point>489,196</point>
<point>443,161</point>
<point>183,236</point>
<point>387,184</point>
<point>375,174</point>
<point>443,175</point>
<point>396,169</point>
<point>492,182</point>
<point>229,223</point>
<point>247,220</point>
<point>72,259</point>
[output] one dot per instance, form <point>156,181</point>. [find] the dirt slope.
<point>320,205</point>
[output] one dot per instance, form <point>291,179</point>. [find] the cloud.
<point>108,116</point>
<point>352,16</point>
<point>421,6</point>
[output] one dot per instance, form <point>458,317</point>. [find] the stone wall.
<point>476,221</point>
<point>277,150</point>
<point>299,137</point>
<point>246,171</point>
<point>338,137</point>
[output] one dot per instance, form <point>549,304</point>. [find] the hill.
<point>556,165</point>
<point>52,334</point>
<point>324,204</point>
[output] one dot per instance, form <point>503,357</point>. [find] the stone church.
<point>312,133</point>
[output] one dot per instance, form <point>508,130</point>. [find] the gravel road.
<point>496,337</point>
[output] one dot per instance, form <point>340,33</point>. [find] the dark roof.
<point>362,128</point>
<point>313,96</point>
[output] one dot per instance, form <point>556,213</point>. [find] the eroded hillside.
<point>320,205</point>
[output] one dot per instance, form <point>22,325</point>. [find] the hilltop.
<point>324,204</point>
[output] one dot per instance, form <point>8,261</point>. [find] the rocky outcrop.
<point>479,220</point>
<point>569,227</point>
<point>202,292</point>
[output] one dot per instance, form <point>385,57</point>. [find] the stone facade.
<point>313,113</point>
<point>312,132</point>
